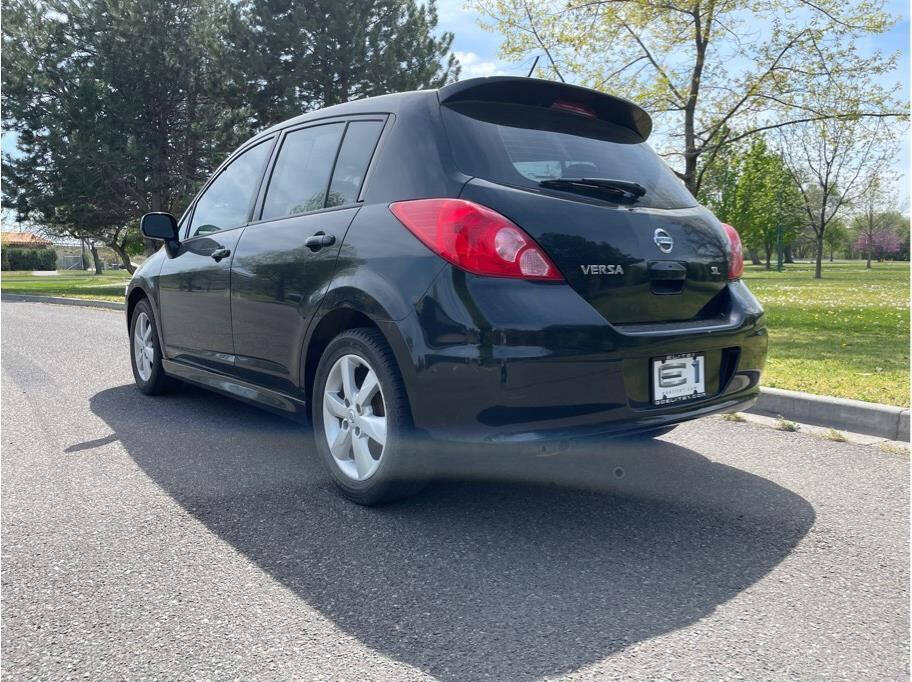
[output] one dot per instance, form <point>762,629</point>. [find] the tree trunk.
<point>818,264</point>
<point>755,259</point>
<point>769,255</point>
<point>99,268</point>
<point>124,258</point>
<point>787,256</point>
<point>868,266</point>
<point>155,203</point>
<point>832,251</point>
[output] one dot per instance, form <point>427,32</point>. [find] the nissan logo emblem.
<point>663,240</point>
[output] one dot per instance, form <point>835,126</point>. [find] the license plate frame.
<point>678,378</point>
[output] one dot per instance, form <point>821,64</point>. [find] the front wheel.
<point>145,352</point>
<point>362,420</point>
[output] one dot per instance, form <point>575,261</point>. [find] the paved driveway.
<point>193,536</point>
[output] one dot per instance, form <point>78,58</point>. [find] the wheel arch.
<point>139,292</point>
<point>335,321</point>
<point>135,296</point>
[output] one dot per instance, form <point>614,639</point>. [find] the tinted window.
<point>522,145</point>
<point>301,173</point>
<point>226,202</point>
<point>357,148</point>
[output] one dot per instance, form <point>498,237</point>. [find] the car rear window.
<point>521,145</point>
<point>351,165</point>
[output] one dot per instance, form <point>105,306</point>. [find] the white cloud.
<point>474,66</point>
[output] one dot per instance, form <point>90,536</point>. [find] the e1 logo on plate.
<point>673,374</point>
<point>678,377</point>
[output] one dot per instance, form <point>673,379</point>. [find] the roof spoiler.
<point>542,93</point>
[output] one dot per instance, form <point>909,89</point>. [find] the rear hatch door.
<point>560,162</point>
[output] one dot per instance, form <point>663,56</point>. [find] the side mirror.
<point>161,226</point>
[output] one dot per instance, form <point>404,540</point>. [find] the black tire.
<point>158,382</point>
<point>402,470</point>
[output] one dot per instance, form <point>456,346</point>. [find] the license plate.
<point>676,378</point>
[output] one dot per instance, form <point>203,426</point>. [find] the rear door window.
<point>301,175</point>
<point>518,144</point>
<point>354,157</point>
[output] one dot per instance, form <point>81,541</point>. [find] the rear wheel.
<point>145,353</point>
<point>362,420</point>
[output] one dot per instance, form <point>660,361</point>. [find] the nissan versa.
<point>500,261</point>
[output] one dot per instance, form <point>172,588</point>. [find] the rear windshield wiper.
<point>629,190</point>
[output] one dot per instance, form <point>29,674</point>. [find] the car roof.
<point>382,104</point>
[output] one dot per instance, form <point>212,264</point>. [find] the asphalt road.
<point>192,536</point>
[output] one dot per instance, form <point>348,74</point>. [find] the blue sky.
<point>477,50</point>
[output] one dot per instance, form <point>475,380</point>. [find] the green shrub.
<point>29,259</point>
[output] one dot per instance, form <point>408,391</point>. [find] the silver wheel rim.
<point>143,346</point>
<point>354,417</point>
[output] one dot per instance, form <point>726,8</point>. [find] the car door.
<point>285,261</point>
<point>195,304</point>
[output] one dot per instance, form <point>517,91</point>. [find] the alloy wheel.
<point>354,417</point>
<point>143,346</point>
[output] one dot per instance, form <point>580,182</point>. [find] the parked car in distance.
<point>502,261</point>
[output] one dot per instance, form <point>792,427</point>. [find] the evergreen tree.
<point>119,106</point>
<point>293,57</point>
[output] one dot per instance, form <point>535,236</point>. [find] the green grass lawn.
<point>845,335</point>
<point>72,283</point>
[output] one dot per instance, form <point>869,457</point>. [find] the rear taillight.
<point>736,262</point>
<point>475,238</point>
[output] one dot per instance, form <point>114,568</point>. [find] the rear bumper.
<point>506,361</point>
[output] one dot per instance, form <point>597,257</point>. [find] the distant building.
<point>23,240</point>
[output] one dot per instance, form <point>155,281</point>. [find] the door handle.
<point>218,254</point>
<point>319,240</point>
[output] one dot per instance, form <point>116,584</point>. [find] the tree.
<point>713,72</point>
<point>717,190</point>
<point>767,205</point>
<point>836,237</point>
<point>874,218</point>
<point>881,234</point>
<point>112,120</point>
<point>882,243</point>
<point>834,161</point>
<point>294,57</point>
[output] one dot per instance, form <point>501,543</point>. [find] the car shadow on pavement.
<point>535,567</point>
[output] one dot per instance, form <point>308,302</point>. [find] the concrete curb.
<point>60,300</point>
<point>873,419</point>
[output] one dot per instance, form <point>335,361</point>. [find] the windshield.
<point>523,145</point>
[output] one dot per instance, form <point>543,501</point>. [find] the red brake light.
<point>475,238</point>
<point>736,264</point>
<point>575,107</point>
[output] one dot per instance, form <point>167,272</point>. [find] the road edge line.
<point>61,300</point>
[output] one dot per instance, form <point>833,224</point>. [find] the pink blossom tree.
<point>879,244</point>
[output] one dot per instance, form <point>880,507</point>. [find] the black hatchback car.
<point>501,261</point>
